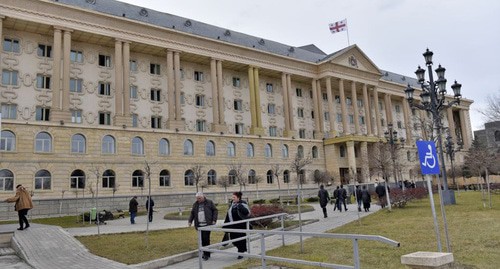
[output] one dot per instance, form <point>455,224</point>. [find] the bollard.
<point>428,260</point>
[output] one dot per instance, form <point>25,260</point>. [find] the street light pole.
<point>391,136</point>
<point>450,150</point>
<point>434,100</point>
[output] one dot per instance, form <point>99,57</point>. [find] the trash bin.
<point>93,213</point>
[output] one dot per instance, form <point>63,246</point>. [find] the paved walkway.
<point>53,247</point>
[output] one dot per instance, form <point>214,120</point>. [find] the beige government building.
<point>96,89</point>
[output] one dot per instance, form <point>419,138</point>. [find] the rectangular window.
<point>11,45</point>
<point>380,105</point>
<point>104,118</point>
<point>311,94</point>
<point>348,101</point>
<point>300,112</point>
<point>9,111</point>
<point>200,125</point>
<point>182,98</point>
<point>360,103</point>
<point>76,116</point>
<point>238,105</point>
<point>400,124</point>
<point>198,76</point>
<point>44,51</point>
<point>156,122</point>
<point>272,131</point>
<point>42,81</point>
<point>104,88</point>
<point>155,95</point>
<point>337,99</point>
<point>351,119</point>
<point>76,56</point>
<point>362,120</point>
<point>104,60</point>
<point>413,112</point>
<point>236,82</point>
<point>382,122</point>
<point>298,92</point>
<point>325,96</point>
<point>397,108</point>
<point>339,117</point>
<point>200,100</point>
<point>271,109</point>
<point>302,133</point>
<point>75,85</point>
<point>133,92</point>
<point>269,87</point>
<point>326,115</point>
<point>154,69</point>
<point>238,128</point>
<point>42,113</point>
<point>133,65</point>
<point>312,114</point>
<point>9,77</point>
<point>135,120</point>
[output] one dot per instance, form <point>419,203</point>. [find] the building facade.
<point>107,95</point>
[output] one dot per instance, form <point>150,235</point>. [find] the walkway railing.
<point>262,234</point>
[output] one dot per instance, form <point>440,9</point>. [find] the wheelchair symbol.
<point>429,157</point>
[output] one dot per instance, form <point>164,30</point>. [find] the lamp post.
<point>434,100</point>
<point>450,150</point>
<point>391,136</point>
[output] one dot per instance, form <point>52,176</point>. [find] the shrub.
<point>312,199</point>
<point>400,197</point>
<point>259,201</point>
<point>274,201</point>
<point>265,210</point>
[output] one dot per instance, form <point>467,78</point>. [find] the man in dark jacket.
<point>336,199</point>
<point>150,209</point>
<point>132,209</point>
<point>358,197</point>
<point>203,213</point>
<point>324,197</point>
<point>342,198</point>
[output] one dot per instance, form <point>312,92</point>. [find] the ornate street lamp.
<point>433,99</point>
<point>450,150</point>
<point>391,136</point>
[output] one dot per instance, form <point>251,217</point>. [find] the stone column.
<point>118,79</point>
<point>56,69</point>
<point>175,120</point>
<point>315,107</point>
<point>66,69</point>
<point>343,107</point>
<point>408,125</point>
<point>220,90</point>
<point>251,85</point>
<point>451,124</point>
<point>331,108</point>
<point>377,113</point>
<point>321,134</point>
<point>258,110</point>
<point>286,112</point>
<point>368,117</point>
<point>354,98</point>
<point>177,73</point>
<point>351,157</point>
<point>171,86</point>
<point>290,103</point>
<point>466,133</point>
<point>388,108</point>
<point>365,170</point>
<point>126,80</point>
<point>215,96</point>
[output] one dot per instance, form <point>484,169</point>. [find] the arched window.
<point>269,177</point>
<point>43,142</point>
<point>164,147</point>
<point>108,179</point>
<point>251,177</point>
<point>7,141</point>
<point>189,178</point>
<point>300,151</point>
<point>315,152</point>
<point>210,148</point>
<point>232,177</point>
<point>231,149</point>
<point>212,178</point>
<point>342,151</point>
<point>164,178</point>
<point>250,151</point>
<point>77,179</point>
<point>284,151</point>
<point>302,176</point>
<point>77,143</point>
<point>188,147</point>
<point>108,145</point>
<point>138,179</point>
<point>268,151</point>
<point>137,146</point>
<point>43,180</point>
<point>6,180</point>
<point>286,176</point>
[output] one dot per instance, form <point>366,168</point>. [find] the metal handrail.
<point>280,231</point>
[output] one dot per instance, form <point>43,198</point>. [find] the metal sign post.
<point>429,166</point>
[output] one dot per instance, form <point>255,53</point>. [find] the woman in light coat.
<point>23,204</point>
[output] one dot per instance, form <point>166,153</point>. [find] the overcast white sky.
<point>464,35</point>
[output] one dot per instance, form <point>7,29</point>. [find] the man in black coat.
<point>150,210</point>
<point>132,209</point>
<point>342,198</point>
<point>324,197</point>
<point>203,213</point>
<point>380,191</point>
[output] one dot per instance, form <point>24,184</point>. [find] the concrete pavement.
<point>53,247</point>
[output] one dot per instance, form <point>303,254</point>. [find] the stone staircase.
<point>8,256</point>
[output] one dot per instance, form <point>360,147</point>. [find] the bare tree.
<point>380,161</point>
<point>224,182</point>
<point>198,174</point>
<point>203,185</point>
<point>257,180</point>
<point>491,112</point>
<point>321,177</point>
<point>96,170</point>
<point>239,174</point>
<point>147,169</point>
<point>276,170</point>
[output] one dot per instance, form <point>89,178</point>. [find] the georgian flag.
<point>338,26</point>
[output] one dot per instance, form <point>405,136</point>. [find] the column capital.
<point>62,28</point>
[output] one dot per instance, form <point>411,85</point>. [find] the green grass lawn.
<point>474,233</point>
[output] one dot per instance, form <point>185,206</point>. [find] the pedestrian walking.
<point>343,198</point>
<point>358,198</point>
<point>132,209</point>
<point>150,201</point>
<point>203,213</point>
<point>380,191</point>
<point>366,198</point>
<point>238,210</point>
<point>336,198</point>
<point>324,197</point>
<point>23,205</point>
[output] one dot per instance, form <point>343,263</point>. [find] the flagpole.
<point>348,42</point>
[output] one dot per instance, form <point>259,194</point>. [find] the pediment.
<point>354,57</point>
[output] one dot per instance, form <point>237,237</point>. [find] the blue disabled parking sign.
<point>428,157</point>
